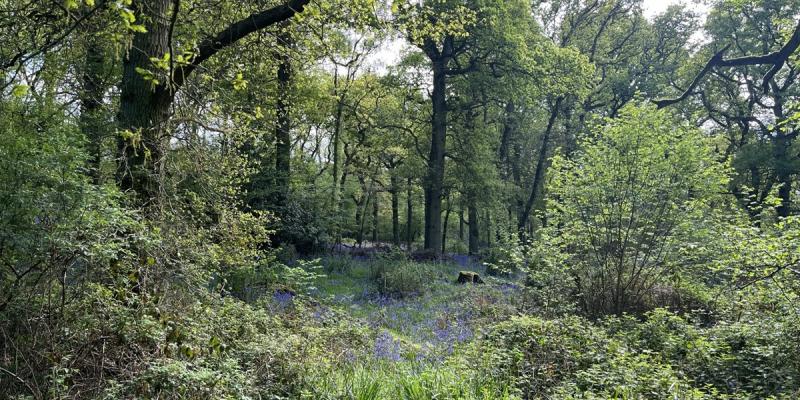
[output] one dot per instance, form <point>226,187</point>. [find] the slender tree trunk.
<point>144,110</point>
<point>474,228</point>
<point>283,138</point>
<point>488,230</point>
<point>444,226</point>
<point>409,215</point>
<point>395,210</point>
<point>505,139</point>
<point>541,164</point>
<point>337,159</point>
<point>781,144</point>
<point>435,179</point>
<point>375,217</point>
<point>461,223</point>
<point>91,98</point>
<point>360,205</point>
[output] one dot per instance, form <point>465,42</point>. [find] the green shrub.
<point>394,253</point>
<point>629,375</point>
<point>756,358</point>
<point>759,357</point>
<point>403,278</point>
<point>536,355</point>
<point>340,264</point>
<point>624,209</point>
<point>286,254</point>
<point>507,256</point>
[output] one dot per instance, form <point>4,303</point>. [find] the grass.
<point>441,315</point>
<point>418,342</point>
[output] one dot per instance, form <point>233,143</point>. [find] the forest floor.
<point>426,323</point>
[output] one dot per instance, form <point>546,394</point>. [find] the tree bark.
<point>781,158</point>
<point>488,230</point>
<point>91,98</point>
<point>375,217</point>
<point>508,132</point>
<point>444,226</point>
<point>474,228</point>
<point>541,165</point>
<point>395,209</point>
<point>359,220</point>
<point>337,158</point>
<point>409,214</point>
<point>461,223</point>
<point>283,138</point>
<point>435,179</point>
<point>144,110</point>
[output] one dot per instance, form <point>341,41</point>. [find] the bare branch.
<point>777,59</point>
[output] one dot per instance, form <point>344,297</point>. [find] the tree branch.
<point>777,59</point>
<point>256,21</point>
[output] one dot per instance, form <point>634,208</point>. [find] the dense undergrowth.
<point>343,335</point>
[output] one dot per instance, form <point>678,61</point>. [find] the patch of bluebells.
<point>387,347</point>
<point>282,299</point>
<point>438,327</point>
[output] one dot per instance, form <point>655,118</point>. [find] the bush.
<point>624,211</point>
<point>536,355</point>
<point>403,278</point>
<point>756,358</point>
<point>505,257</point>
<point>340,264</point>
<point>630,375</point>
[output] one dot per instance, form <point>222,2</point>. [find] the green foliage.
<point>412,381</point>
<point>624,210</point>
<point>338,264</point>
<point>537,355</point>
<point>194,282</point>
<point>507,256</point>
<point>402,278</point>
<point>663,356</point>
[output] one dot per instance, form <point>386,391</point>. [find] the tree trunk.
<point>395,210</point>
<point>435,179</point>
<point>144,110</point>
<point>505,139</point>
<point>374,217</point>
<point>781,144</point>
<point>444,226</point>
<point>359,220</point>
<point>541,164</point>
<point>488,230</point>
<point>461,223</point>
<point>409,215</point>
<point>337,161</point>
<point>283,138</point>
<point>474,228</point>
<point>91,98</point>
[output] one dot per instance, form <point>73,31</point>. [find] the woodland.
<point>405,199</point>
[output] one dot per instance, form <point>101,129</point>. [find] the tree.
<point>624,209</point>
<point>629,54</point>
<point>152,74</point>
<point>749,98</point>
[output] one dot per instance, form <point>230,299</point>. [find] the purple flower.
<point>283,298</point>
<point>387,347</point>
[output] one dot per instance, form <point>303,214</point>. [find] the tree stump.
<point>469,277</point>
